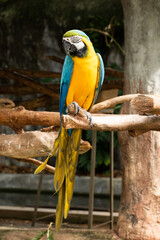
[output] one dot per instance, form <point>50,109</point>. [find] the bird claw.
<point>89,117</point>
<point>76,107</point>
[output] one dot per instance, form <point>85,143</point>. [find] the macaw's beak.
<point>68,46</point>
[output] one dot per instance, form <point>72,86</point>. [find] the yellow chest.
<point>83,81</point>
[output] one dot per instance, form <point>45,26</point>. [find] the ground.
<point>22,230</point>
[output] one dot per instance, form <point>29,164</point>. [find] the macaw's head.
<point>76,43</point>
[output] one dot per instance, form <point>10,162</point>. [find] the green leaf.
<point>99,158</point>
<point>107,160</point>
<point>39,235</point>
<point>50,237</point>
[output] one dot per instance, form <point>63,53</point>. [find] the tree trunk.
<point>139,216</point>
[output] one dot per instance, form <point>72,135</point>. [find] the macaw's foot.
<point>76,107</point>
<point>89,117</point>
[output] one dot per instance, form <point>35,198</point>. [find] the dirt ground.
<point>22,230</point>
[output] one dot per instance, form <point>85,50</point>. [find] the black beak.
<point>68,47</point>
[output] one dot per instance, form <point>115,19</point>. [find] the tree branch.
<point>6,103</point>
<point>32,144</point>
<point>146,104</point>
<point>18,117</point>
<point>28,82</point>
<point>110,103</point>
<point>103,122</point>
<point>36,162</point>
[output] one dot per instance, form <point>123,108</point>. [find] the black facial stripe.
<point>80,53</point>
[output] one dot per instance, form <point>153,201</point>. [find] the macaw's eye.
<point>76,39</point>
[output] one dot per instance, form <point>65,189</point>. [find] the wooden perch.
<point>32,144</point>
<point>103,122</point>
<point>18,117</point>
<point>6,103</point>
<point>110,103</point>
<point>36,162</point>
<point>146,104</point>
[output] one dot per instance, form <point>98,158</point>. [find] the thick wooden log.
<point>18,117</point>
<point>32,144</point>
<point>27,145</point>
<point>139,212</point>
<point>106,122</point>
<point>146,104</point>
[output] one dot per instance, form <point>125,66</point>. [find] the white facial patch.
<point>79,45</point>
<point>76,41</point>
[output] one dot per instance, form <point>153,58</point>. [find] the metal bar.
<point>37,199</point>
<point>112,181</point>
<point>92,174</point>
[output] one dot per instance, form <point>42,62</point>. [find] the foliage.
<point>102,153</point>
<point>47,232</point>
<point>102,26</point>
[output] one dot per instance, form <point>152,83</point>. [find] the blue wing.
<point>99,80</point>
<point>65,82</point>
<point>101,75</point>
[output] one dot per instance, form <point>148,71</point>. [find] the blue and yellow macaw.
<point>81,81</point>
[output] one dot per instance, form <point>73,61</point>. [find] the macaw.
<point>81,81</point>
